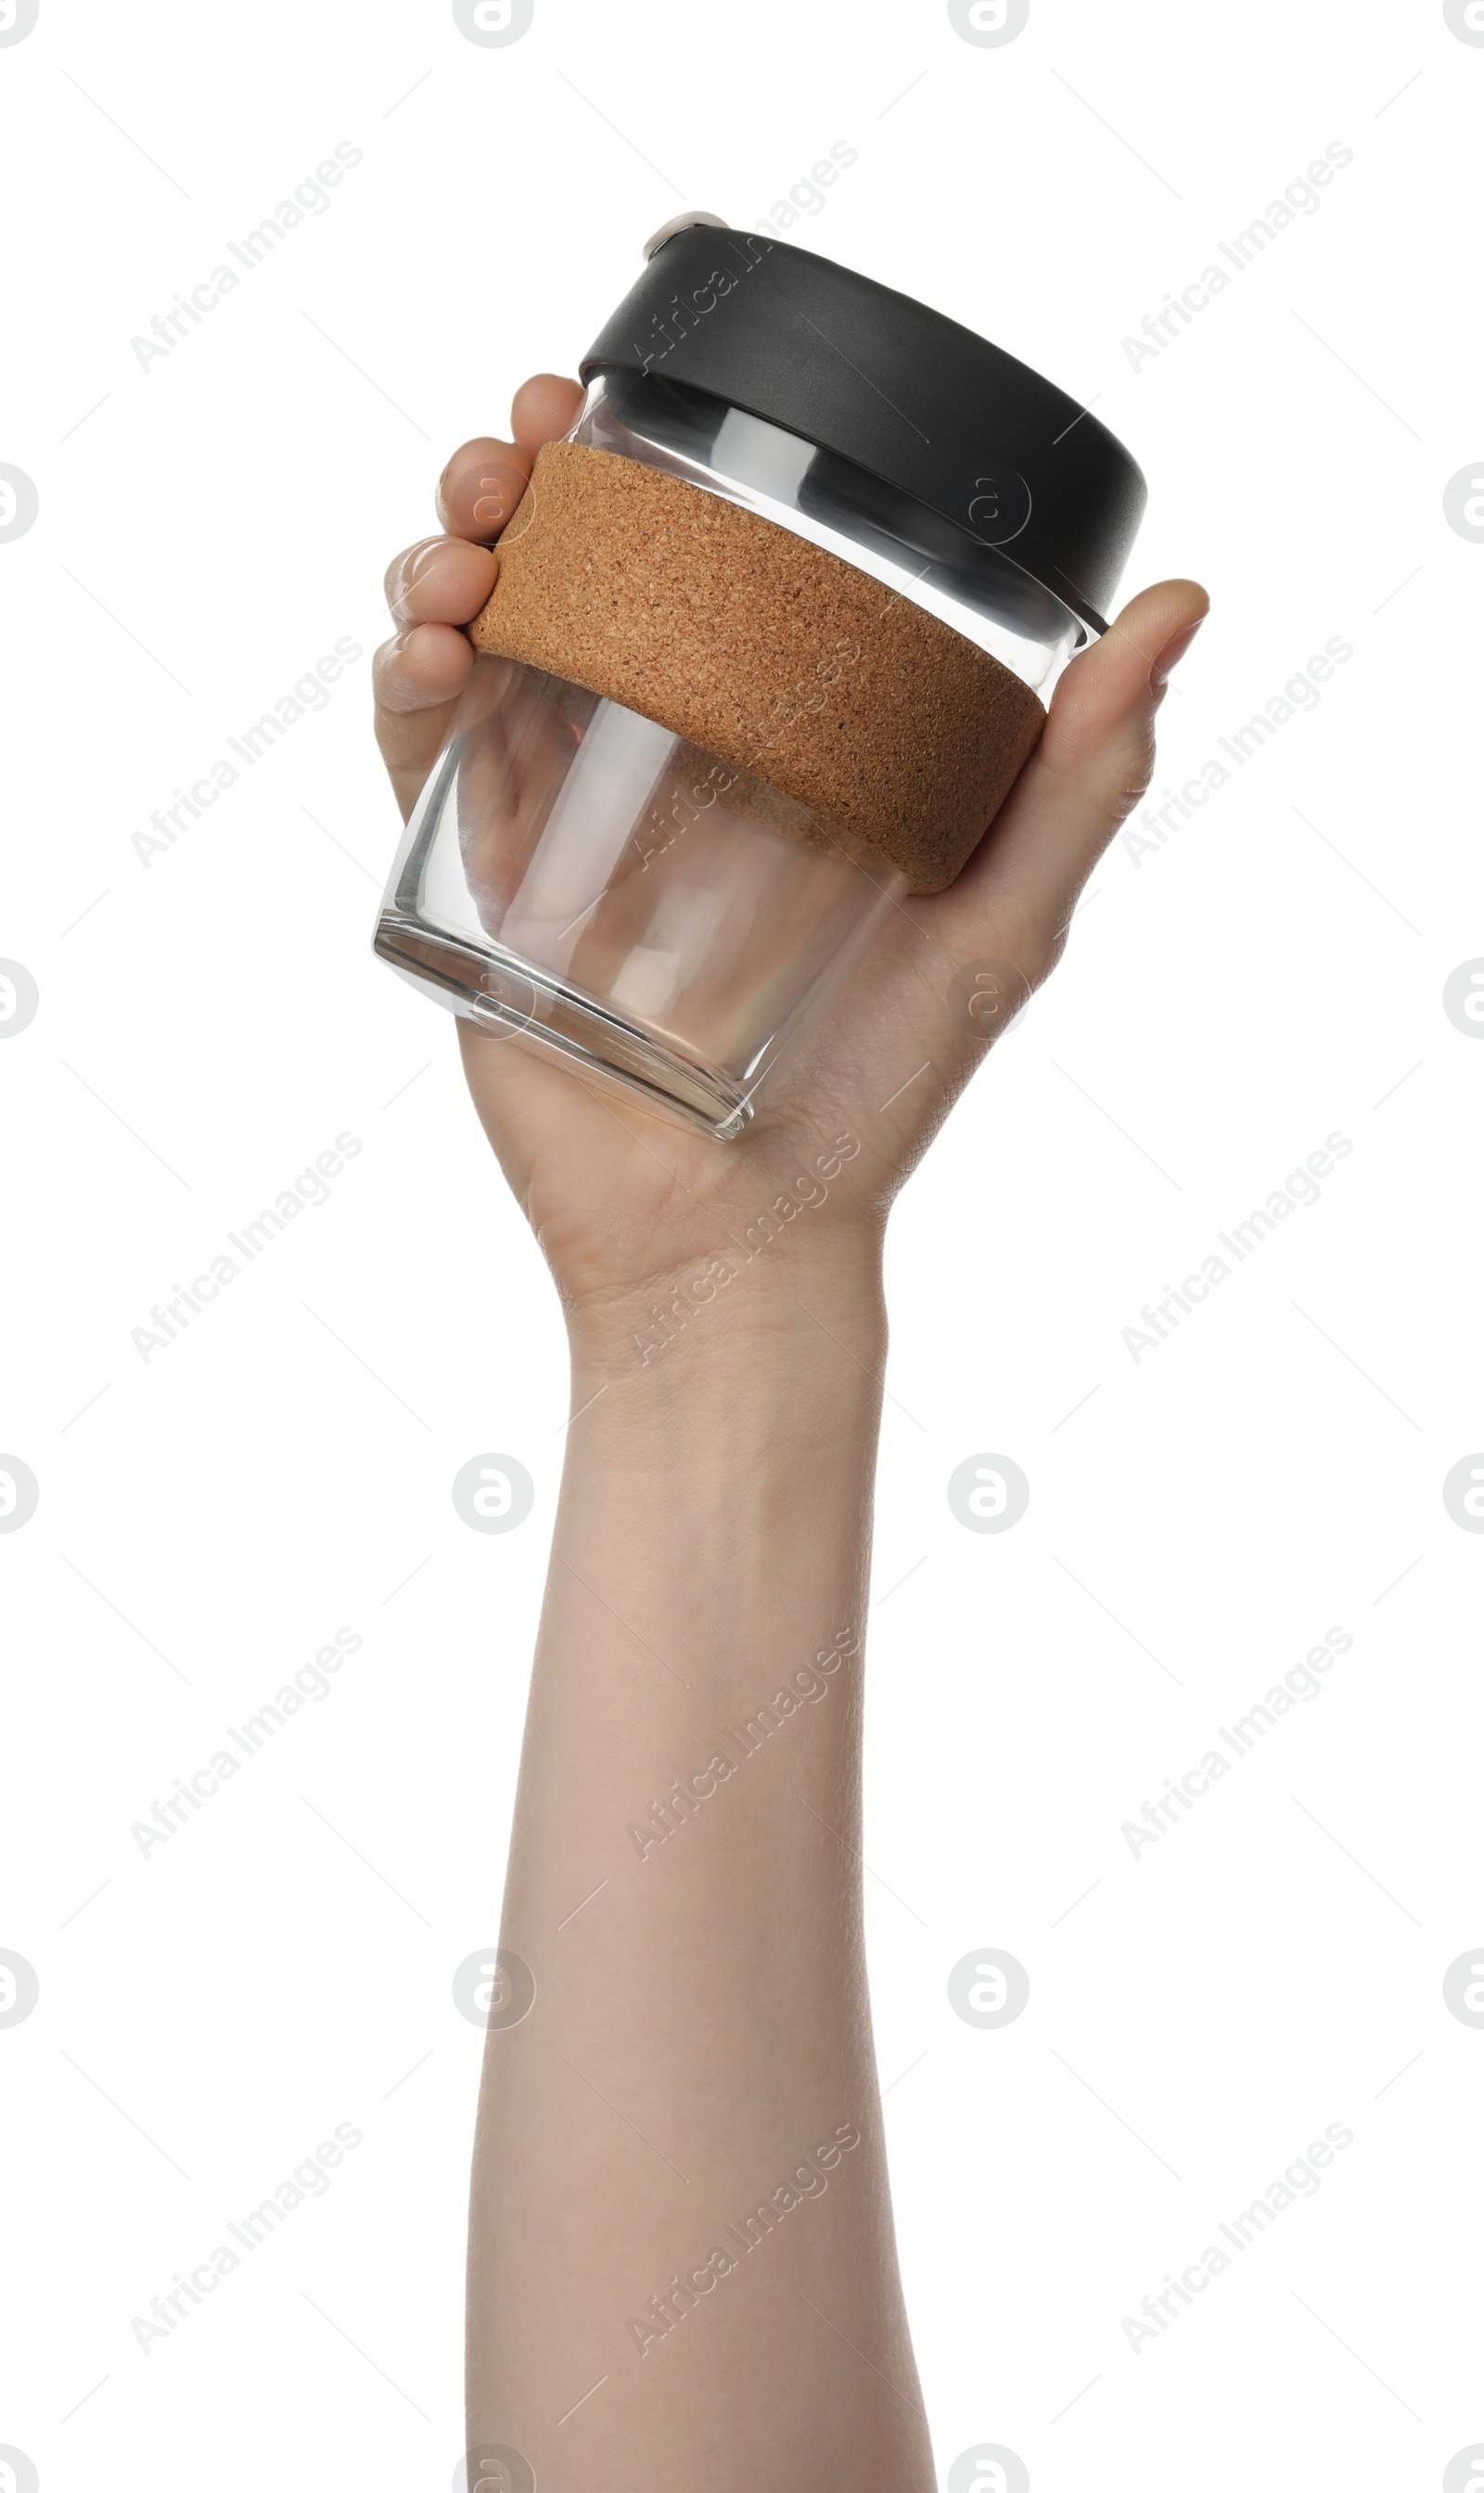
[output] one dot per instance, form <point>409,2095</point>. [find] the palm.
<point>616,1195</point>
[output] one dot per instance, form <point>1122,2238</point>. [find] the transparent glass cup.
<point>577,879</point>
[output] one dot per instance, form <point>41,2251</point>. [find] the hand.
<point>627,1207</point>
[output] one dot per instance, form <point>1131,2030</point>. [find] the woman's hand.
<point>633,1215</point>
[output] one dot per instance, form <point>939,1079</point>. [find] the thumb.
<point>1088,772</point>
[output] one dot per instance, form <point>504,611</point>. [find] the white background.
<point>210,1022</point>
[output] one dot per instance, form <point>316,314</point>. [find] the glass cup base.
<point>516,1001</point>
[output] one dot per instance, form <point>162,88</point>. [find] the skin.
<point>701,2030</point>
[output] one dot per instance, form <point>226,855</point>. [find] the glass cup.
<point>577,879</point>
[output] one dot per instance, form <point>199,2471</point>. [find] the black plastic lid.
<point>880,379</point>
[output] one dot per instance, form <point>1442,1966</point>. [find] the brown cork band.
<point>897,734</point>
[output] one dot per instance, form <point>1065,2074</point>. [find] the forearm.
<point>684,1887</point>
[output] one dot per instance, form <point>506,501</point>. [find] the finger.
<point>444,582</point>
<point>421,669</point>
<point>480,487</point>
<point>443,579</point>
<point>544,408</point>
<point>483,481</point>
<point>417,677</point>
<point>1090,768</point>
<point>1122,676</point>
<point>418,674</point>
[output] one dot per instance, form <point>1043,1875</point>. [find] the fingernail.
<point>1170,655</point>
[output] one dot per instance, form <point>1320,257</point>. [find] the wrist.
<point>733,1325</point>
<point>747,1430</point>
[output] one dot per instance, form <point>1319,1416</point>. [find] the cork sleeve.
<point>882,730</point>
